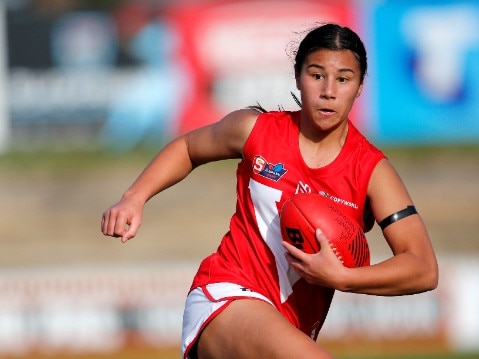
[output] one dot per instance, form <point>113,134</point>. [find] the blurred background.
<point>90,90</point>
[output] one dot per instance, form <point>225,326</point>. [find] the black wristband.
<point>397,216</point>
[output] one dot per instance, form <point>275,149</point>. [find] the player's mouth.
<point>326,111</point>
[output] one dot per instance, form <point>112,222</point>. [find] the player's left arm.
<point>413,267</point>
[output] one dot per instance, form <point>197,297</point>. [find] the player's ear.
<point>360,89</point>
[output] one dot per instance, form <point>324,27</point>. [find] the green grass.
<point>73,161</point>
<point>415,153</point>
<point>69,161</point>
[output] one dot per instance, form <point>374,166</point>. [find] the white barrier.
<point>461,305</point>
<point>92,310</point>
<point>102,309</point>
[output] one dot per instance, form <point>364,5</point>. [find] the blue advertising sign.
<point>426,65</point>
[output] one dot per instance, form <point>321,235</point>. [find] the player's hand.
<point>122,220</point>
<point>321,268</point>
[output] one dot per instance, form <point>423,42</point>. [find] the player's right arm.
<point>224,139</point>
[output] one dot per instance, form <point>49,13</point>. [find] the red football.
<point>303,213</point>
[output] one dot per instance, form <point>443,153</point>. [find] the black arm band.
<point>397,216</point>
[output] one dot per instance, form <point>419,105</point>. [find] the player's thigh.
<point>250,328</point>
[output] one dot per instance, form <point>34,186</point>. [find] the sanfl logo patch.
<point>268,170</point>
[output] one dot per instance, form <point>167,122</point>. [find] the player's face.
<point>329,81</point>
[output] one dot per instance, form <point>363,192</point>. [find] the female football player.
<point>257,296</point>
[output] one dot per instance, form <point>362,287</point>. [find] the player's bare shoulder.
<point>238,126</point>
<point>244,119</point>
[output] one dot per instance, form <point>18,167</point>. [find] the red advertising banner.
<point>238,53</point>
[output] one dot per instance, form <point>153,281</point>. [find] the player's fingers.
<point>322,240</point>
<point>106,224</point>
<point>131,231</point>
<point>296,258</point>
<point>103,224</point>
<point>327,250</point>
<point>113,223</point>
<point>295,263</point>
<point>293,251</point>
<point>119,224</point>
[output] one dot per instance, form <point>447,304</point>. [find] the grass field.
<point>55,160</point>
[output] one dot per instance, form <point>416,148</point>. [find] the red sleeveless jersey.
<point>272,170</point>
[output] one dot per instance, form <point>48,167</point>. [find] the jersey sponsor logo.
<point>339,200</point>
<point>303,188</point>
<point>268,170</point>
<point>306,188</point>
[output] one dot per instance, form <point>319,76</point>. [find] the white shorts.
<point>203,304</point>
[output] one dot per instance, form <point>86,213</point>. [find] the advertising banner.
<point>240,52</point>
<point>425,72</point>
<point>140,73</point>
